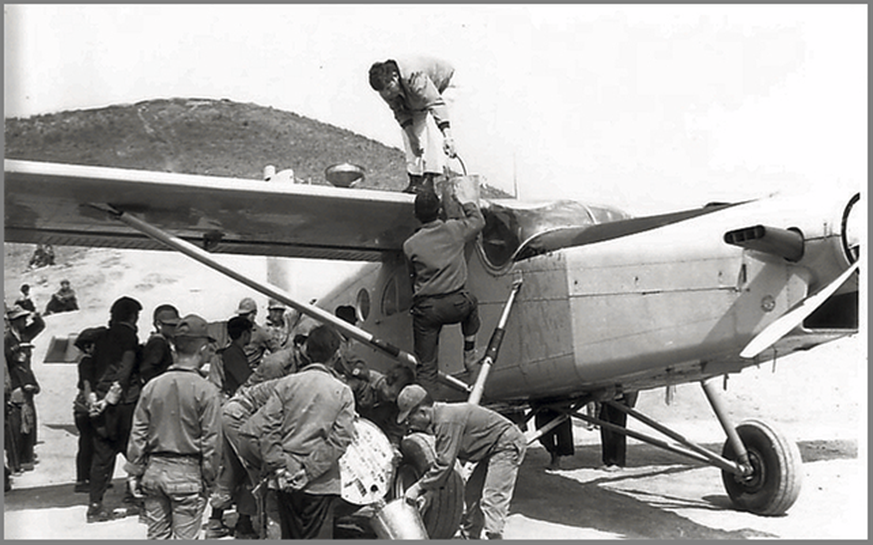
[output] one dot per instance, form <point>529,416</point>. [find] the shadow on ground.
<point>554,498</point>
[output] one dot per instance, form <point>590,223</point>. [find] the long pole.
<point>319,314</point>
<point>494,345</point>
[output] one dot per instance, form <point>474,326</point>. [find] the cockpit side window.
<point>499,238</point>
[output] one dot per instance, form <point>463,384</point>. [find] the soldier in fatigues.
<point>174,445</point>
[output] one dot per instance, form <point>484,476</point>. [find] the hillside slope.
<point>193,136</point>
<point>204,136</point>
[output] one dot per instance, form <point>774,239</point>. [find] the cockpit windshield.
<point>511,224</point>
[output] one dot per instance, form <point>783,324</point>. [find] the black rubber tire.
<point>775,484</point>
<point>442,518</point>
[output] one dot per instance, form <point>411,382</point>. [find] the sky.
<point>648,108</point>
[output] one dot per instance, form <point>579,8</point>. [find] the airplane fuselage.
<point>665,306</point>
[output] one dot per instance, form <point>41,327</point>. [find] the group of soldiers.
<point>181,408</point>
<point>204,414</point>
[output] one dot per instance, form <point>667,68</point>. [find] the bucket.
<point>399,520</point>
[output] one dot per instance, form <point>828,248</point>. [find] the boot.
<point>415,182</point>
<point>428,181</point>
<point>97,513</point>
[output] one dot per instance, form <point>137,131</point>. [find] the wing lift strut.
<point>314,312</point>
<point>742,467</point>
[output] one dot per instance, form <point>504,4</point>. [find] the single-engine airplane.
<point>610,303</point>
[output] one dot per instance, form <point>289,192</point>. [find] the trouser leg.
<point>426,337</point>
<point>500,481</point>
<point>174,492</point>
<point>613,444</point>
<point>102,467</point>
<point>124,425</point>
<point>187,514</point>
<point>25,453</point>
<point>306,516</point>
<point>86,446</point>
<point>469,308</point>
<point>12,436</point>
<point>474,520</point>
<point>158,516</point>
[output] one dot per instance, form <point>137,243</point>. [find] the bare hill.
<point>204,136</point>
<point>196,136</point>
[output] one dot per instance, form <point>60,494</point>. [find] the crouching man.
<point>300,434</point>
<point>468,433</point>
<point>173,451</point>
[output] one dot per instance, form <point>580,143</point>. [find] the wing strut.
<point>494,345</point>
<point>794,317</point>
<point>271,291</point>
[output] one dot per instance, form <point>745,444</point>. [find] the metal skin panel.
<point>537,351</point>
<point>680,297</point>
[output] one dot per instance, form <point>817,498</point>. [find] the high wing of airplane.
<point>608,303</point>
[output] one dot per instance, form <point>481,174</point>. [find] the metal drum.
<point>399,520</point>
<point>367,466</point>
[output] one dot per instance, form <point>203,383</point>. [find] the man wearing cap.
<point>261,341</point>
<point>413,88</point>
<point>82,406</point>
<point>157,354</point>
<point>300,434</point>
<point>438,267</point>
<point>115,393</point>
<point>280,323</point>
<point>22,383</point>
<point>469,433</point>
<point>173,456</point>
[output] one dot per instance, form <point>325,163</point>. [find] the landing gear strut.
<point>761,469</point>
<point>771,477</point>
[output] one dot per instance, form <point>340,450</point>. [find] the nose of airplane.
<point>853,227</point>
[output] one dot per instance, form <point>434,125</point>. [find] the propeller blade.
<point>793,318</point>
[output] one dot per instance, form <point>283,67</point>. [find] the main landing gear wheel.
<point>774,484</point>
<point>442,518</point>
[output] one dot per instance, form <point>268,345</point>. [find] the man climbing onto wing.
<point>439,269</point>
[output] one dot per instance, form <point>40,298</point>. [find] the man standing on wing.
<point>413,89</point>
